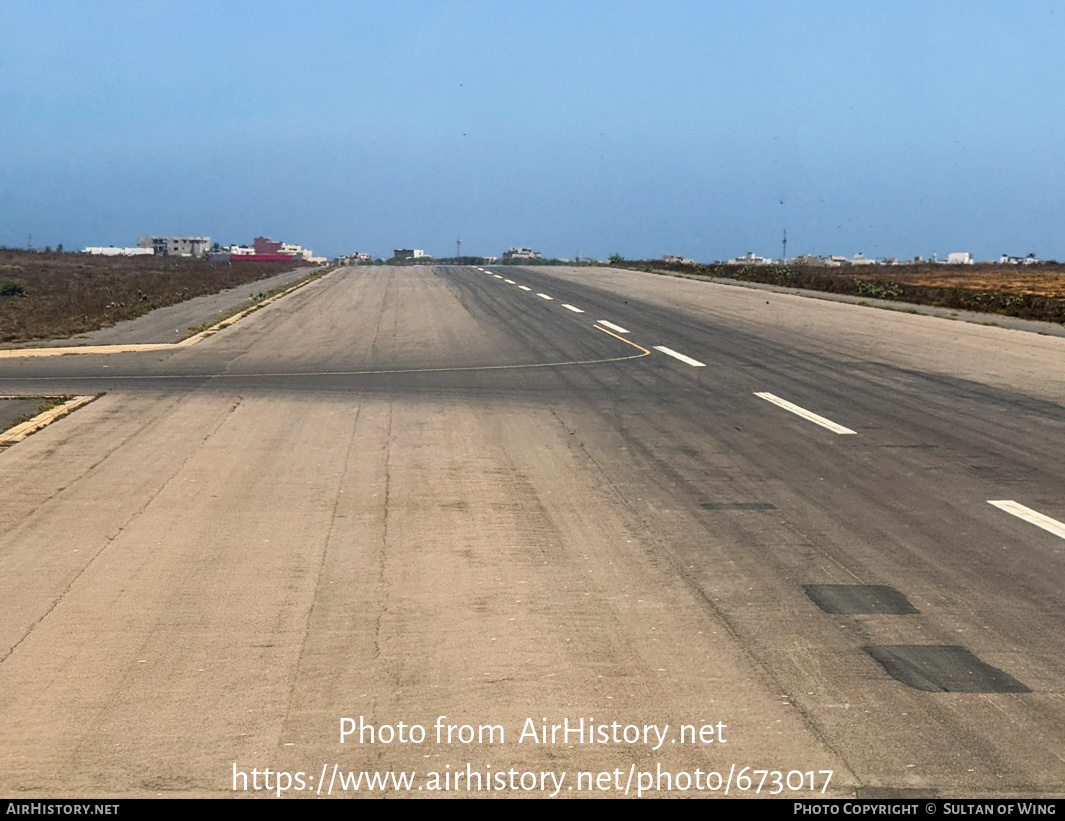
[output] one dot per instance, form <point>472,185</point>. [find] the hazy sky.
<point>642,128</point>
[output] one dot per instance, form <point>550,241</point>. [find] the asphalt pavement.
<point>529,498</point>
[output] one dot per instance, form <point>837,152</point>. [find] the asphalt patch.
<point>12,410</point>
<point>877,599</point>
<point>943,669</point>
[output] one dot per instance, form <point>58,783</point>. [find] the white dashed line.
<point>498,276</point>
<point>1031,516</point>
<point>805,414</point>
<point>509,281</point>
<point>695,363</point>
<point>525,287</point>
<point>571,308</point>
<point>544,296</point>
<point>612,326</point>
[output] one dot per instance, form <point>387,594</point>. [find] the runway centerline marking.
<point>572,308</point>
<point>1033,517</point>
<point>544,296</point>
<point>498,276</point>
<point>612,326</point>
<point>525,287</point>
<point>509,281</point>
<point>695,363</point>
<point>809,416</point>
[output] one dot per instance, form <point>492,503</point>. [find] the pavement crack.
<point>109,540</point>
<point>384,537</point>
<point>321,566</point>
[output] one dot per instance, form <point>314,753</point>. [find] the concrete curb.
<point>42,420</point>
<point>12,353</point>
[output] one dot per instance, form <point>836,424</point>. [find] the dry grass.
<point>1004,279</point>
<point>53,296</point>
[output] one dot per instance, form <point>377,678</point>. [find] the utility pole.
<point>458,248</point>
<point>784,251</point>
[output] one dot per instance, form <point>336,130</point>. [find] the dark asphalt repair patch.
<point>943,669</point>
<point>878,599</point>
<point>737,506</point>
<point>11,410</point>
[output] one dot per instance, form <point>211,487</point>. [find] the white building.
<point>750,258</point>
<point>512,254</point>
<point>960,258</point>
<point>112,251</point>
<point>177,246</point>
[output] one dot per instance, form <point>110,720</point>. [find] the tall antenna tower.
<point>458,248</point>
<point>784,249</point>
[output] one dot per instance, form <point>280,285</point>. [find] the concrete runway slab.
<point>402,494</point>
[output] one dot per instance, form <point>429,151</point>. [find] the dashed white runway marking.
<point>805,414</point>
<point>498,276</point>
<point>1031,516</point>
<point>571,308</point>
<point>612,326</point>
<point>525,287</point>
<point>695,363</point>
<point>544,296</point>
<point>509,281</point>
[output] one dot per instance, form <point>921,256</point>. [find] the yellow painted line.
<point>41,420</point>
<point>643,352</point>
<point>390,372</point>
<point>626,341</point>
<point>153,346</point>
<point>13,353</point>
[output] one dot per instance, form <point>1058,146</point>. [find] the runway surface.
<point>507,494</point>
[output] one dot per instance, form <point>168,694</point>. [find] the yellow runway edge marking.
<point>113,377</point>
<point>41,420</point>
<point>12,353</point>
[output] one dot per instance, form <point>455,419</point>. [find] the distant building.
<point>177,246</point>
<point>265,245</point>
<point>112,251</point>
<point>960,258</point>
<point>518,254</point>
<point>750,258</point>
<point>409,253</point>
<point>815,261</point>
<point>1031,259</point>
<point>862,259</point>
<point>677,260</point>
<point>263,249</point>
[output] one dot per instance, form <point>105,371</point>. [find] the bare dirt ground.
<point>1011,280</point>
<point>52,295</point>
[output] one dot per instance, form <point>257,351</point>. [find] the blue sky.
<point>641,128</point>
